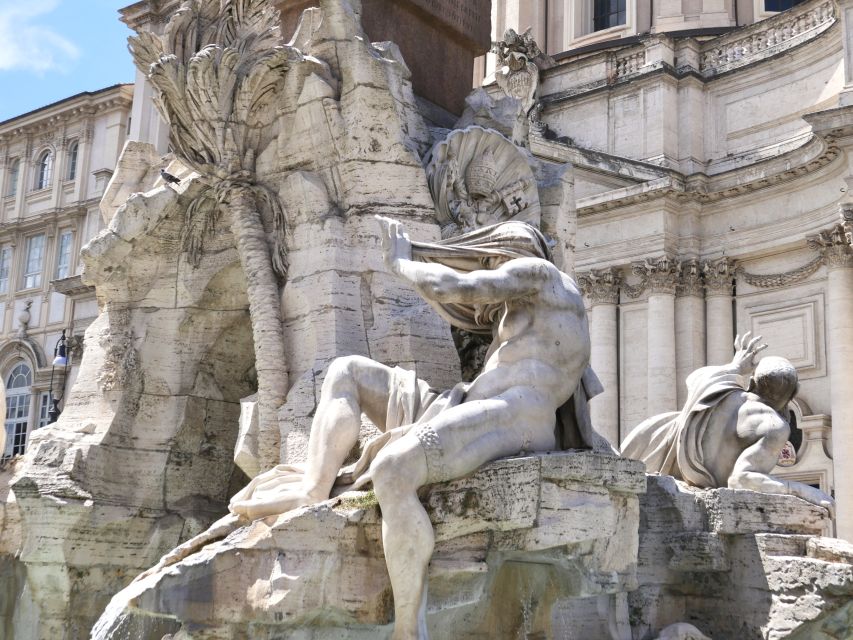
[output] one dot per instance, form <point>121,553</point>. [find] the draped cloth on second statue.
<point>671,443</point>
<point>411,401</point>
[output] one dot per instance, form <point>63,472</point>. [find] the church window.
<point>607,13</point>
<point>780,5</point>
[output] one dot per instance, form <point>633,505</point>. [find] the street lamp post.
<point>60,359</point>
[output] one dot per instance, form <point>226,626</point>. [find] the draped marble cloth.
<point>671,443</point>
<point>412,402</point>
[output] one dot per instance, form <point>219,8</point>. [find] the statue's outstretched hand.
<point>745,351</point>
<point>396,245</point>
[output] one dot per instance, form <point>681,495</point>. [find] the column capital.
<point>601,286</point>
<point>689,278</point>
<point>719,274</point>
<point>659,275</point>
<point>834,245</point>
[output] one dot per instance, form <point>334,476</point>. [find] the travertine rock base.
<point>739,564</point>
<point>511,539</point>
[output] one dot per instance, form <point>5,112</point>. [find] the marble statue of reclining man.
<point>530,396</point>
<point>731,429</point>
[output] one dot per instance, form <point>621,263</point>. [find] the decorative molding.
<point>771,280</point>
<point>704,191</point>
<point>657,275</point>
<point>834,245</point>
<point>626,65</point>
<point>690,278</point>
<point>601,286</point>
<point>719,275</point>
<point>766,38</point>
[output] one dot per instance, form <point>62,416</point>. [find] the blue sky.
<point>53,49</point>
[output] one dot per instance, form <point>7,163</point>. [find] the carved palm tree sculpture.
<point>218,69</point>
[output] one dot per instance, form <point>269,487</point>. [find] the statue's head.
<point>775,380</point>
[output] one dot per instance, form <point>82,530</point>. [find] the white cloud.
<point>27,45</point>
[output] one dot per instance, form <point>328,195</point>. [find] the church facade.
<point>711,146</point>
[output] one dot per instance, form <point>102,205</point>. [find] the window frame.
<point>26,274</point>
<point>18,399</point>
<point>72,158</point>
<point>13,175</point>
<point>621,9</point>
<point>6,256</point>
<point>44,170</point>
<point>64,233</point>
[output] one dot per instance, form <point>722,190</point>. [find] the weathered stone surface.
<point>322,565</point>
<point>738,564</point>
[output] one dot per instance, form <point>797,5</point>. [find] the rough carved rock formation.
<point>142,456</point>
<point>512,539</point>
<point>739,564</point>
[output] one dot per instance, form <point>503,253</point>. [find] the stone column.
<point>689,324</point>
<point>719,275</point>
<point>835,247</point>
<point>601,289</point>
<point>660,279</point>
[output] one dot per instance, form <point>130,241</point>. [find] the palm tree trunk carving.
<point>219,69</point>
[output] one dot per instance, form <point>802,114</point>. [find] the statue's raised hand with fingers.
<point>731,430</point>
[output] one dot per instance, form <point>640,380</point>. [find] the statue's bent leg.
<point>353,385</point>
<point>451,445</point>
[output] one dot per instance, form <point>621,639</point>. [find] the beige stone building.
<point>711,144</point>
<point>55,163</point>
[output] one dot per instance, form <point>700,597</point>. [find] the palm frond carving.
<point>218,70</point>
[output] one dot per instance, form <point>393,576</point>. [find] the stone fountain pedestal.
<point>512,540</point>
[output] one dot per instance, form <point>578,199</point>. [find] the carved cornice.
<point>719,275</point>
<point>657,275</point>
<point>690,278</point>
<point>766,38</point>
<point>807,159</point>
<point>601,286</point>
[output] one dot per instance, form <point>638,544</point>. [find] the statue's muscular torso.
<point>542,341</point>
<point>738,422</point>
